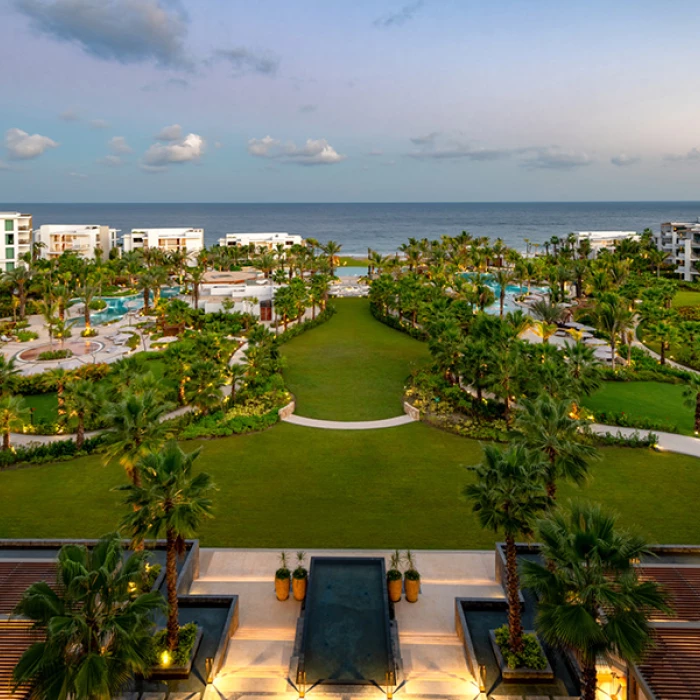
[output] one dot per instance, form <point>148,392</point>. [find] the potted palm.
<point>282,576</point>
<point>300,578</point>
<point>394,578</point>
<point>411,578</point>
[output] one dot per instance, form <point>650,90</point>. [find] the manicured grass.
<point>45,407</point>
<point>686,298</point>
<point>351,367</point>
<point>352,261</point>
<point>654,400</point>
<point>295,487</point>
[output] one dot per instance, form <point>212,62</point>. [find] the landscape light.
<point>165,659</point>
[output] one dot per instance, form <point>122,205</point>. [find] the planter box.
<point>520,674</point>
<point>177,673</point>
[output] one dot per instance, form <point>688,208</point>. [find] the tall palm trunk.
<point>697,412</point>
<point>589,677</point>
<point>6,439</point>
<point>515,624</point>
<point>663,353</point>
<point>22,301</point>
<point>171,579</point>
<point>80,434</point>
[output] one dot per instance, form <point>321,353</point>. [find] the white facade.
<point>262,241</point>
<point>184,240</point>
<point>80,239</point>
<point>604,239</point>
<point>681,243</point>
<point>17,232</point>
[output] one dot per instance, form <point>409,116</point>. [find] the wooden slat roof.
<point>683,587</point>
<point>672,666</point>
<point>15,637</point>
<point>16,577</point>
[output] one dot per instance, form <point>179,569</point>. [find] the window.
<point>9,253</point>
<point>9,225</point>
<point>9,267</point>
<point>9,239</point>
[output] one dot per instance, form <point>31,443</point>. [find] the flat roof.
<point>606,234</point>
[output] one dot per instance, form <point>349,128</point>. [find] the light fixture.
<point>165,658</point>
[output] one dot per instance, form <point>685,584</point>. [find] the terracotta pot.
<point>299,588</point>
<point>395,588</point>
<point>282,588</point>
<point>412,590</point>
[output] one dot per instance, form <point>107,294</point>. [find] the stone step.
<point>229,686</point>
<point>279,634</point>
<point>430,639</point>
<point>252,656</point>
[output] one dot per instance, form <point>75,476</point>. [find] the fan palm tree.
<point>665,333</point>
<point>584,368</point>
<point>172,502</point>
<point>507,497</point>
<point>136,429</point>
<point>331,249</point>
<point>82,399</point>
<point>591,600</point>
<point>691,394</point>
<point>546,425</point>
<point>502,277</point>
<point>98,631</point>
<point>8,371</point>
<point>57,377</point>
<point>612,317</point>
<point>235,373</point>
<point>18,280</point>
<point>13,415</point>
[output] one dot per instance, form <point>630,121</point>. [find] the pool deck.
<point>258,660</point>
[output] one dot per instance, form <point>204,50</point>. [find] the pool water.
<point>512,291</point>
<point>346,622</point>
<point>118,307</point>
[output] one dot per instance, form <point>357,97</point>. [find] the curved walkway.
<point>348,424</point>
<point>682,444</point>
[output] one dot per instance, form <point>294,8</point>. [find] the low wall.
<point>411,411</point>
<point>287,410</point>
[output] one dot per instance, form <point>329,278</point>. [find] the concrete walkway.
<point>682,444</point>
<point>348,424</point>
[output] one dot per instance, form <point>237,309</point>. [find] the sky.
<point>362,101</point>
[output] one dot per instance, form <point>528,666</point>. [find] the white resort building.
<point>17,229</point>
<point>681,243</point>
<point>81,239</point>
<point>184,240</point>
<point>607,240</point>
<point>261,241</point>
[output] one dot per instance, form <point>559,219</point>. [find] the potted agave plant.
<point>411,578</point>
<point>300,578</point>
<point>282,577</point>
<point>394,578</point>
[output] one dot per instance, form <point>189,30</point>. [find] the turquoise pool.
<point>118,307</point>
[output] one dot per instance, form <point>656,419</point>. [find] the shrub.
<point>58,451</point>
<point>219,425</point>
<point>88,333</point>
<point>26,336</point>
<point>185,643</point>
<point>54,354</point>
<point>133,342</point>
<point>622,419</point>
<point>619,440</point>
<point>300,328</point>
<point>394,322</point>
<point>530,657</point>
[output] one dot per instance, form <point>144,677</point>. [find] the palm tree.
<point>195,276</point>
<point>57,377</point>
<point>331,249</point>
<point>691,393</point>
<point>507,497</point>
<point>137,428</point>
<point>82,399</point>
<point>547,426</point>
<point>97,628</point>
<point>665,333</point>
<point>502,278</point>
<point>18,280</point>
<point>584,368</point>
<point>235,373</point>
<point>13,415</point>
<point>146,282</point>
<point>8,370</point>
<point>172,502</point>
<point>591,599</point>
<point>612,316</point>
<point>547,312</point>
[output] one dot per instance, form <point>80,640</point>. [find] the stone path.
<point>682,444</point>
<point>348,424</point>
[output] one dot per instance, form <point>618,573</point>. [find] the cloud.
<point>313,152</point>
<point>21,146</point>
<point>127,31</point>
<point>169,133</point>
<point>160,155</point>
<point>426,140</point>
<point>111,161</point>
<point>623,160</point>
<point>308,109</point>
<point>554,158</point>
<point>245,60</point>
<point>693,155</point>
<point>69,115</point>
<point>119,146</point>
<point>99,124</point>
<point>433,147</point>
<point>401,16</point>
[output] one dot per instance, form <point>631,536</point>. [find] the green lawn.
<point>655,400</point>
<point>352,367</point>
<point>686,298</point>
<point>296,487</point>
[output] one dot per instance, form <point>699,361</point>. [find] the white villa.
<point>601,240</point>
<point>185,240</point>
<point>681,243</point>
<point>261,241</point>
<point>81,239</point>
<point>18,238</point>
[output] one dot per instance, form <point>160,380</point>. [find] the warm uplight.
<point>131,587</point>
<point>165,658</point>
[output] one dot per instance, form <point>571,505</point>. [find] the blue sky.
<point>305,101</point>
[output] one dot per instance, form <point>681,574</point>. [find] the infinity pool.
<point>117,307</point>
<point>512,291</point>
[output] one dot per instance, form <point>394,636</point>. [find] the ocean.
<point>382,227</point>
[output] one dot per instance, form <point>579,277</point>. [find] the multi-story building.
<point>17,229</point>
<point>261,241</point>
<point>183,240</point>
<point>604,240</point>
<point>81,239</point>
<point>681,243</point>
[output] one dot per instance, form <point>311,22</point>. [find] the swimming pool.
<point>117,307</point>
<point>346,636</point>
<point>512,291</point>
